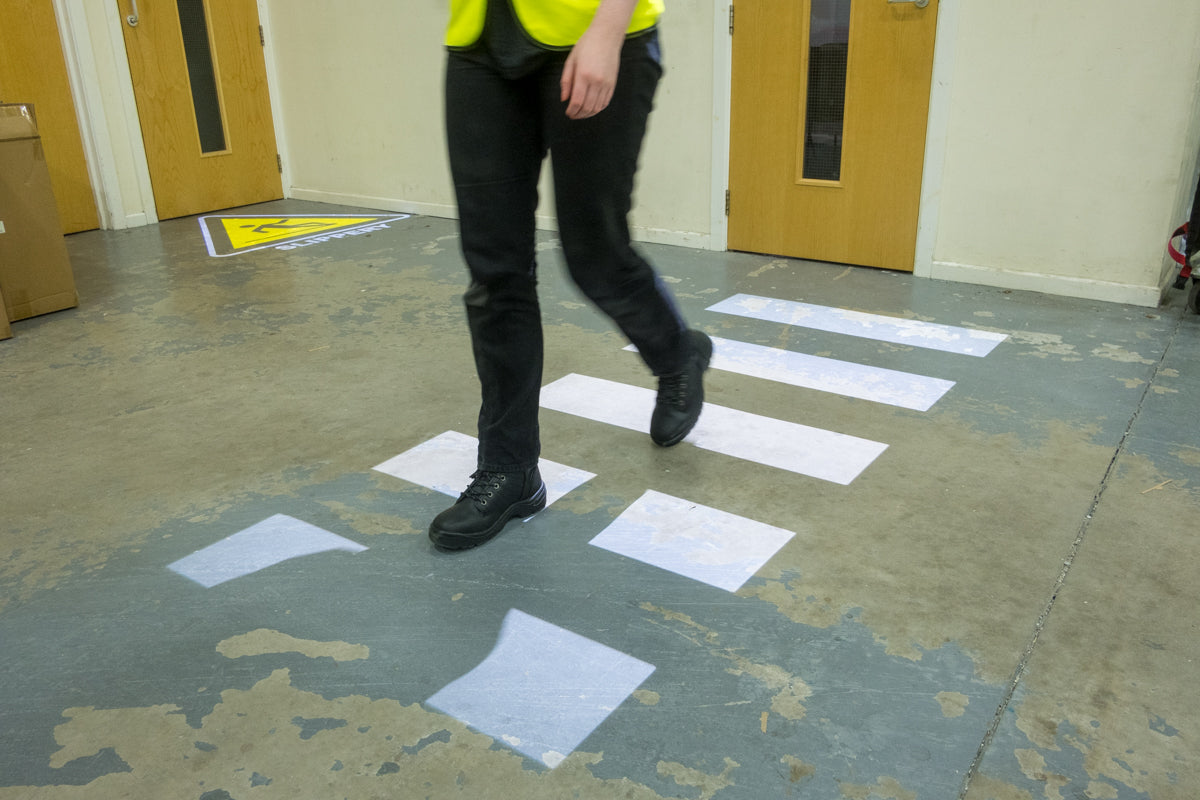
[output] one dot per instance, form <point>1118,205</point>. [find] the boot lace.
<point>673,390</point>
<point>484,485</point>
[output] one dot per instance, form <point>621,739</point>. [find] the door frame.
<point>935,131</point>
<point>108,116</point>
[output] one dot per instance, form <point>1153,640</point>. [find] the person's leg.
<point>496,151</point>
<point>595,161</point>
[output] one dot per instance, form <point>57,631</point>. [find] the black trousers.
<point>498,133</point>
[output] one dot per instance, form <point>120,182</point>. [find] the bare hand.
<point>590,74</point>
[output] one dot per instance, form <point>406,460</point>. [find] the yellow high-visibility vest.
<point>551,23</point>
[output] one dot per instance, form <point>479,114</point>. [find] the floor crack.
<point>1068,562</point>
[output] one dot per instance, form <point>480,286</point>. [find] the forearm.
<point>590,71</point>
<point>613,16</point>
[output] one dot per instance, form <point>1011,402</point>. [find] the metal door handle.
<point>132,19</point>
<point>917,3</point>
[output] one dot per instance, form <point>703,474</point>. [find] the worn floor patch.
<point>1103,709</point>
<point>276,741</point>
<point>263,641</point>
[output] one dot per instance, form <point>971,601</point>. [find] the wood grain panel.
<point>33,70</point>
<point>869,216</point>
<point>187,181</point>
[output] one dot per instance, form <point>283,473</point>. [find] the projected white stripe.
<point>272,541</point>
<point>809,451</point>
<point>698,542</point>
<point>876,384</point>
<point>543,689</point>
<point>445,463</point>
<point>947,338</point>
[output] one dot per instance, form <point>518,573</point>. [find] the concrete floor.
<point>1001,606</point>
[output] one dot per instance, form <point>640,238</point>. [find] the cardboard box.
<point>5,328</point>
<point>35,270</point>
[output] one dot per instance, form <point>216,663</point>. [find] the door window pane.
<point>828,43</point>
<point>205,98</point>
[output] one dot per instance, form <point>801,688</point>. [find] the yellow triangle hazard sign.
<point>246,232</point>
<point>227,235</point>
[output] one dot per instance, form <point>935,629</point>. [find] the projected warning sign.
<point>230,235</point>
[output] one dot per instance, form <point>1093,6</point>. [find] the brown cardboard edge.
<point>5,328</point>
<point>19,121</point>
<point>43,305</point>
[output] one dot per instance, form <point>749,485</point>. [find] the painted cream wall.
<point>1062,143</point>
<point>1071,136</point>
<point>357,85</point>
<point>674,189</point>
<point>359,90</point>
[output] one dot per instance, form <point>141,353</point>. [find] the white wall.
<point>1062,147</point>
<point>359,87</point>
<point>1067,140</point>
<point>1070,144</point>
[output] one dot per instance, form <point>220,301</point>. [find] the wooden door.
<point>200,81</point>
<point>815,172</point>
<point>32,70</point>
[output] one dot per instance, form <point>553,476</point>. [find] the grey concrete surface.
<point>1001,607</point>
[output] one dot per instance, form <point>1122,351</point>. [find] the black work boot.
<point>681,396</point>
<point>492,499</point>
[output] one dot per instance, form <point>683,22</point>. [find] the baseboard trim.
<point>1063,286</point>
<point>369,201</point>
<point>137,220</point>
<point>698,241</point>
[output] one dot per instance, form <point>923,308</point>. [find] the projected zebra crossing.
<point>442,462</point>
<point>534,659</point>
<point>914,333</point>
<point>831,456</point>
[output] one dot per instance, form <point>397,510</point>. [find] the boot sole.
<point>448,540</point>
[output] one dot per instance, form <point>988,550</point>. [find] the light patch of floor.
<point>886,788</point>
<point>954,704</point>
<point>914,333</point>
<point>698,542</point>
<point>263,641</point>
<point>445,462</point>
<point>272,541</point>
<point>542,690</point>
<point>384,749</point>
<point>830,456</point>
